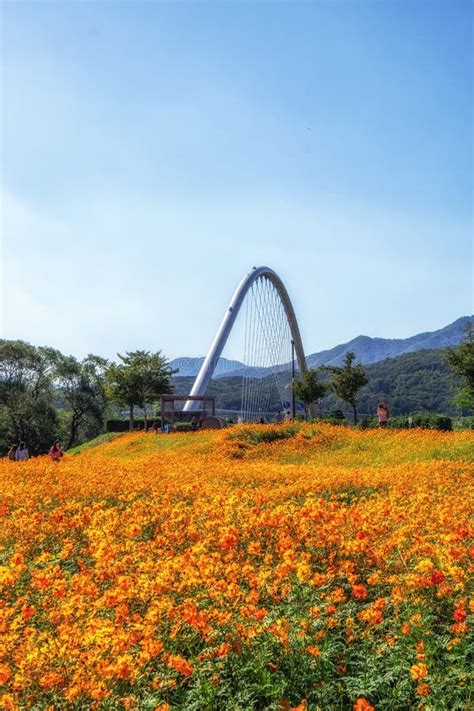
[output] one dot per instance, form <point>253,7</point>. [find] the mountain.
<point>371,350</point>
<point>368,350</point>
<point>190,366</point>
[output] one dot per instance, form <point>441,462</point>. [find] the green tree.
<point>310,389</point>
<point>461,363</point>
<point>82,386</point>
<point>26,394</point>
<point>347,380</point>
<point>141,378</point>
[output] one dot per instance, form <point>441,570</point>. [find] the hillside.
<point>413,381</point>
<point>368,350</point>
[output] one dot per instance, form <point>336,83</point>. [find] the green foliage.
<point>95,442</point>
<point>141,378</point>
<point>423,420</point>
<point>82,387</point>
<point>183,427</point>
<point>118,425</point>
<point>45,395</point>
<point>265,433</point>
<point>408,383</point>
<point>26,387</point>
<point>461,363</point>
<point>309,388</point>
<point>347,380</point>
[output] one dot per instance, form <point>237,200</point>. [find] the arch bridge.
<point>272,313</point>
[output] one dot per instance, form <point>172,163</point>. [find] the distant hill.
<point>368,350</point>
<point>371,350</point>
<point>190,366</point>
<point>413,381</point>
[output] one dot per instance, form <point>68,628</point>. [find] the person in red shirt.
<point>56,451</point>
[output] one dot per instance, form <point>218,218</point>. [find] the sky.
<point>154,152</point>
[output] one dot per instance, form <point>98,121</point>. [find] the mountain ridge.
<point>367,349</point>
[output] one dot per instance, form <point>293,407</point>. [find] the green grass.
<point>101,439</point>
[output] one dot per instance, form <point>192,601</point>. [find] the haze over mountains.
<point>368,350</point>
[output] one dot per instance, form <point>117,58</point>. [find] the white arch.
<point>207,368</point>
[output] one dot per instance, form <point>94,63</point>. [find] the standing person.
<point>12,452</point>
<point>21,453</point>
<point>382,414</point>
<point>56,451</point>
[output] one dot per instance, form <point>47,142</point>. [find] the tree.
<point>82,387</point>
<point>461,363</point>
<point>138,380</point>
<point>347,380</point>
<point>309,389</point>
<point>26,393</point>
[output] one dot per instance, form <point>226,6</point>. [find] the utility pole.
<point>293,402</point>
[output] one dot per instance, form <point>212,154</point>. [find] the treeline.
<point>46,395</point>
<point>408,383</point>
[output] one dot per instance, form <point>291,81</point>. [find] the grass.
<point>101,439</point>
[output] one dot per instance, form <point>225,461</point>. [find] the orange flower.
<point>418,672</point>
<point>5,673</point>
<point>459,614</point>
<point>437,577</point>
<point>419,650</point>
<point>50,680</point>
<point>175,538</point>
<point>423,689</point>
<point>363,705</point>
<point>302,706</point>
<point>180,664</point>
<point>359,591</point>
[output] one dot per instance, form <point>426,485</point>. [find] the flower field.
<point>307,567</point>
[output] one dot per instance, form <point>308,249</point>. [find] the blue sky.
<point>152,153</point>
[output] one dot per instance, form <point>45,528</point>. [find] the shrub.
<point>183,427</point>
<point>424,420</point>
<point>264,433</point>
<point>123,425</point>
<point>336,417</point>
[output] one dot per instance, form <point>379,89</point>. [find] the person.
<point>56,451</point>
<point>194,424</point>
<point>263,421</point>
<point>154,427</point>
<point>12,452</point>
<point>240,420</point>
<point>382,414</point>
<point>21,453</point>
<point>279,417</point>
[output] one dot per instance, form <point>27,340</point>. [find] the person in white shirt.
<point>21,453</point>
